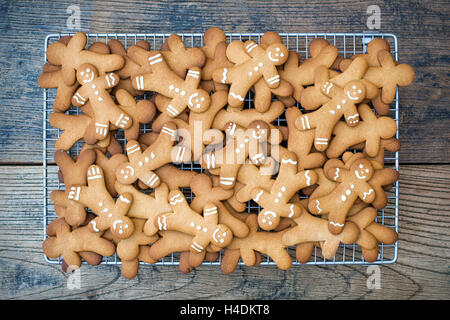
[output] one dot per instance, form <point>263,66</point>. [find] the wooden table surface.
<point>422,268</point>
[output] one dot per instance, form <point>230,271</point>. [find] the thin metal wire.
<point>346,254</point>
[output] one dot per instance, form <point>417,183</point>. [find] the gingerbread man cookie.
<point>241,144</point>
<point>110,214</point>
<point>202,187</point>
<point>71,56</point>
<point>69,243</point>
<point>261,64</point>
<point>343,103</point>
<point>141,164</point>
<point>184,93</point>
<point>276,202</point>
<point>300,75</point>
<point>370,131</point>
<point>94,89</point>
<point>269,243</point>
<point>352,184</point>
<point>205,229</point>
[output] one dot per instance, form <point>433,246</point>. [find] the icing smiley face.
<point>259,130</point>
<point>123,228</point>
<point>86,73</point>
<point>355,91</point>
<point>277,54</point>
<point>362,169</point>
<point>126,174</point>
<point>199,101</point>
<point>222,236</point>
<point>268,220</point>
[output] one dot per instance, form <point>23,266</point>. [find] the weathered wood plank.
<point>421,271</point>
<point>421,28</point>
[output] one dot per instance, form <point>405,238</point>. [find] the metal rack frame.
<point>347,43</point>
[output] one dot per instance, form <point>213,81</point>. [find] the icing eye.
<point>278,49</point>
<point>354,87</point>
<point>260,64</point>
<point>361,166</point>
<point>202,99</point>
<point>367,170</point>
<point>88,70</point>
<point>281,54</point>
<point>359,91</point>
<point>82,73</point>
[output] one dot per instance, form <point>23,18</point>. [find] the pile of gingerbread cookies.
<point>317,176</point>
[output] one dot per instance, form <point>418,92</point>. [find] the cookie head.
<point>362,169</point>
<point>355,91</point>
<point>86,73</point>
<point>123,227</point>
<point>125,173</point>
<point>199,101</point>
<point>277,53</point>
<point>222,236</point>
<point>259,130</point>
<point>268,219</point>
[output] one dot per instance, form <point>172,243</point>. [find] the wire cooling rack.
<point>348,44</point>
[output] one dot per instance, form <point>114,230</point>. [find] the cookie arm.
<point>252,48</point>
<point>150,179</point>
<point>271,76</point>
<point>193,77</point>
<point>366,192</point>
<point>110,80</point>
<point>210,214</point>
<point>80,98</point>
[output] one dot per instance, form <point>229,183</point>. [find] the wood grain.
<point>421,27</point>
<point>421,271</point>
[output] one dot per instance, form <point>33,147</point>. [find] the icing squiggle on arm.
<point>317,206</point>
<point>337,174</point>
<point>365,194</point>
